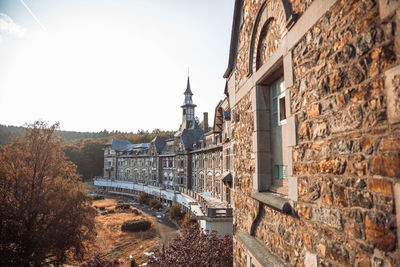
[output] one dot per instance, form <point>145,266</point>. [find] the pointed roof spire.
<point>188,90</point>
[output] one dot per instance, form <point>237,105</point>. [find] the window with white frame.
<point>278,118</point>
<point>228,158</point>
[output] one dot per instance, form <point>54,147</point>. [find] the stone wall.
<point>347,158</point>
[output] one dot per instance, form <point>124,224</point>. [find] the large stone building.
<point>187,169</point>
<point>306,145</point>
<point>314,93</point>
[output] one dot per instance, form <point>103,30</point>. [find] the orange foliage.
<point>44,210</point>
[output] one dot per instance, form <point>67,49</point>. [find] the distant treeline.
<point>85,149</point>
<point>141,136</point>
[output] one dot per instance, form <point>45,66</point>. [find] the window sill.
<point>259,251</point>
<point>273,200</point>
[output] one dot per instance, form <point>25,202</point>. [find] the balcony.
<point>208,208</point>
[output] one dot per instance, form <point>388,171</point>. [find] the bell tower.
<point>188,118</point>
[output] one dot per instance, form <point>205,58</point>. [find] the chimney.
<point>205,121</point>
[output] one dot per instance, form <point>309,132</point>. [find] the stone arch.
<point>273,15</point>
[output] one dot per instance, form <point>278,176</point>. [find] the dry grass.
<point>111,243</point>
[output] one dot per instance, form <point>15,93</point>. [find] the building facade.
<point>190,163</point>
<point>305,147</point>
<point>314,93</point>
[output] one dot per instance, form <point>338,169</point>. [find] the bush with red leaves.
<point>195,248</point>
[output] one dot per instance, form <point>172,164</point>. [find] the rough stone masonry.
<point>340,63</point>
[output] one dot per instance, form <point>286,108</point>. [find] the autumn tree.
<point>44,210</point>
<point>88,155</point>
<point>195,248</point>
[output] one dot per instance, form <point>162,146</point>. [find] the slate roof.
<point>188,91</point>
<point>120,145</point>
<point>159,142</point>
<point>191,136</point>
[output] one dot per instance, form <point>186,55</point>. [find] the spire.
<point>188,90</point>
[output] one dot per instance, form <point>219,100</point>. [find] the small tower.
<point>188,118</point>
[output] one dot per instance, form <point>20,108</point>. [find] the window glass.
<point>282,109</point>
<point>278,118</point>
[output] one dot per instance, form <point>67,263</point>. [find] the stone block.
<point>383,203</point>
<point>333,166</point>
<point>388,7</point>
<point>313,110</point>
<point>392,90</point>
<point>304,130</point>
<point>288,103</point>
<point>378,233</point>
<point>347,120</point>
<point>339,253</point>
<point>362,199</point>
<point>362,260</point>
<point>288,69</point>
<point>310,260</point>
<point>385,165</point>
<point>357,165</point>
<point>320,130</point>
<point>380,186</point>
<point>303,211</point>
<point>329,217</point>
<point>366,145</point>
<point>391,143</point>
<point>340,196</point>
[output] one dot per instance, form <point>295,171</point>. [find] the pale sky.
<point>111,64</point>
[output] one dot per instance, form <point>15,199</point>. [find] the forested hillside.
<point>6,132</point>
<point>85,149</point>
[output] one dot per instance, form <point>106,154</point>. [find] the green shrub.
<point>155,204</point>
<point>144,198</point>
<point>176,213</point>
<point>135,225</point>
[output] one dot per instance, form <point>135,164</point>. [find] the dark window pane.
<point>282,109</point>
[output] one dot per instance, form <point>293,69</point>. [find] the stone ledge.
<point>273,200</point>
<point>259,251</point>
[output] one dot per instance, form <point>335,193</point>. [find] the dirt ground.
<point>111,243</point>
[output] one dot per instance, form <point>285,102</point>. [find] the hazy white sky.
<point>111,64</point>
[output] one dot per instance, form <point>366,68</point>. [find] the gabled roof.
<point>160,142</point>
<point>191,136</point>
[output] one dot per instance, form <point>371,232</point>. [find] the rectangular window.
<point>228,159</point>
<point>278,118</point>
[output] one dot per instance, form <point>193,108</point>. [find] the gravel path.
<point>165,227</point>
